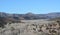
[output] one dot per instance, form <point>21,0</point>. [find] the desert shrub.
<point>34,25</point>
<point>58,22</point>
<point>12,28</point>
<point>54,31</point>
<point>58,28</point>
<point>47,28</point>
<point>40,30</point>
<point>34,29</point>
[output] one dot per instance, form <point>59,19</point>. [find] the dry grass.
<point>32,27</point>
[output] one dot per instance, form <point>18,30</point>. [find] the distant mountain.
<point>30,16</point>
<point>54,15</point>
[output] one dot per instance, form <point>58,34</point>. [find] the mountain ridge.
<point>28,16</point>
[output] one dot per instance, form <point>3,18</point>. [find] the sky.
<point>25,6</point>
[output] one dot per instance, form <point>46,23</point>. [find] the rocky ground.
<point>32,27</point>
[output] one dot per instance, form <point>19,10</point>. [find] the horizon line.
<point>29,12</point>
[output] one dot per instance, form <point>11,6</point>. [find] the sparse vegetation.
<point>29,27</point>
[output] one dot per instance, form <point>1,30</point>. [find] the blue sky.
<point>25,6</point>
